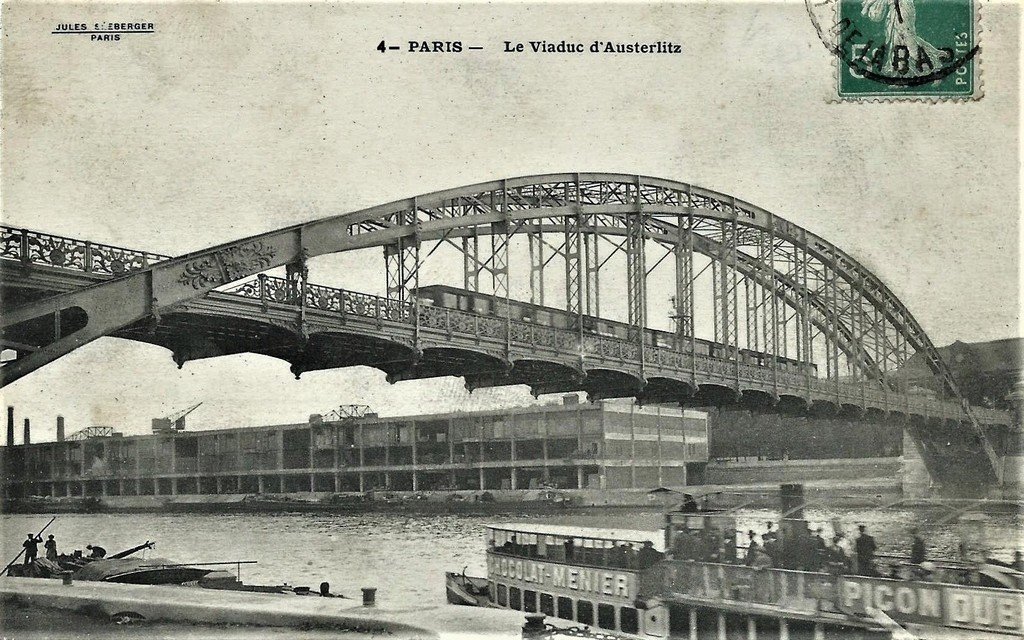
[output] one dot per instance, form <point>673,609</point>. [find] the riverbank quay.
<point>209,606</point>
<point>866,492</point>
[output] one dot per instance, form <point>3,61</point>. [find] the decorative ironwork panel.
<point>115,261</point>
<point>54,251</point>
<point>323,298</point>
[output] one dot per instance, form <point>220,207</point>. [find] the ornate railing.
<point>37,248</point>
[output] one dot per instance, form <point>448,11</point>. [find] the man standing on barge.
<point>31,547</point>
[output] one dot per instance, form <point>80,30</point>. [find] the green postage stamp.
<point>893,49</point>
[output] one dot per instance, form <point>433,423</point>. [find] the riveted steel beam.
<point>156,287</point>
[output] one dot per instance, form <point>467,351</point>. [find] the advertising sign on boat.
<point>565,578</point>
<point>996,610</point>
<point>788,590</point>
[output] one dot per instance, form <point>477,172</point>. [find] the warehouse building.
<point>605,444</point>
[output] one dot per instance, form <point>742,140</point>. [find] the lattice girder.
<point>114,304</point>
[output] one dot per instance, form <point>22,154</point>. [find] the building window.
<point>565,608</point>
<point>606,616</point>
<point>585,612</point>
<point>530,601</point>
<point>547,604</point>
<point>502,595</point>
<point>515,598</point>
<point>628,620</point>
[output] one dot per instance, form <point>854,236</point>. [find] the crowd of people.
<point>792,547</point>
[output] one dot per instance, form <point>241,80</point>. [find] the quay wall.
<point>780,471</point>
<point>195,605</point>
<point>861,492</point>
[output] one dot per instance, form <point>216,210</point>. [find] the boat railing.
<point>581,557</point>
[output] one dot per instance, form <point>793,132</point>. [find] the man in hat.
<point>820,551</point>
<point>752,548</point>
<point>31,548</point>
<point>865,547</point>
<point>917,551</point>
<point>648,555</point>
<point>838,560</point>
<point>689,504</point>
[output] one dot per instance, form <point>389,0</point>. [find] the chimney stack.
<point>10,426</point>
<point>28,433</point>
<point>60,428</point>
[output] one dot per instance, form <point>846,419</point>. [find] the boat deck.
<point>194,604</point>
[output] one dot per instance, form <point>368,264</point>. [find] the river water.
<point>405,556</point>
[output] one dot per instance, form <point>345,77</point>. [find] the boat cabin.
<point>587,575</point>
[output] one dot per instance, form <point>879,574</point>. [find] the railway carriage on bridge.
<point>475,302</point>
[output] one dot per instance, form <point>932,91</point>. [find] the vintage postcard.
<point>642,320</point>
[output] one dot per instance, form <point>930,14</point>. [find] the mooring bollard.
<point>66,577</point>
<point>369,596</point>
<point>534,627</point>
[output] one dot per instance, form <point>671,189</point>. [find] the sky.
<point>234,119</point>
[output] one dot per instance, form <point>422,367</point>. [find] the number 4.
<point>381,47</point>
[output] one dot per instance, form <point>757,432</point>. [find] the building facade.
<point>599,445</point>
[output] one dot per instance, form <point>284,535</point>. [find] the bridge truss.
<point>775,288</point>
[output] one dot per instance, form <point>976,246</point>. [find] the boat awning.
<point>594,533</point>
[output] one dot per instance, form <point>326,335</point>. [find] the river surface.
<point>405,556</point>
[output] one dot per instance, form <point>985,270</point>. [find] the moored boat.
<point>140,571</point>
<point>467,590</point>
<point>693,580</point>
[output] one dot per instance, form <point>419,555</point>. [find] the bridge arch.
<point>824,292</point>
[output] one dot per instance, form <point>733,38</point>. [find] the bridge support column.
<point>261,485</point>
<point>544,453</point>
<point>415,480</point>
<point>362,482</point>
<point>514,478</point>
<point>819,631</point>
<point>174,486</point>
<point>580,480</point>
<point>684,281</point>
<point>482,485</point>
<point>220,484</point>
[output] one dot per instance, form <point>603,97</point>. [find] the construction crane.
<point>173,422</point>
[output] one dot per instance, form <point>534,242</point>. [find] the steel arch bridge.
<point>775,289</point>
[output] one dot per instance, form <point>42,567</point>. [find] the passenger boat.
<point>586,575</point>
<point>597,578</point>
